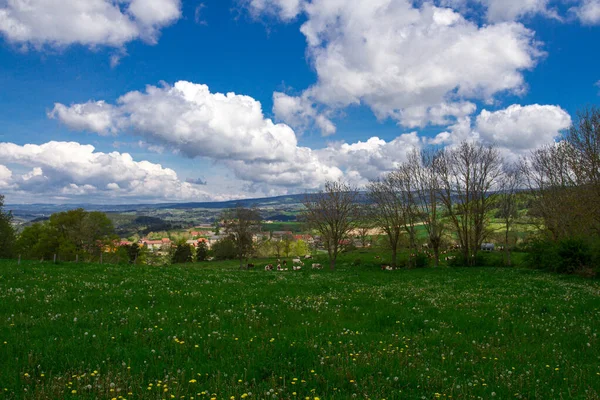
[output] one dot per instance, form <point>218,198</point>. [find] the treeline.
<point>70,235</point>
<point>454,193</point>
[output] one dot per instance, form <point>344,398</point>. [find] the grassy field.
<point>201,332</point>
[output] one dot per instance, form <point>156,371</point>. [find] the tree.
<point>202,251</point>
<point>425,166</point>
<point>387,211</point>
<point>183,254</point>
<point>7,232</point>
<point>404,184</point>
<point>564,179</point>
<point>287,242</point>
<point>68,234</point>
<point>364,224</point>
<point>300,248</point>
<point>468,173</point>
<point>332,213</point>
<point>510,184</point>
<point>241,224</point>
<point>224,249</point>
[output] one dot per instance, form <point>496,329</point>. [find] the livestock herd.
<point>297,265</point>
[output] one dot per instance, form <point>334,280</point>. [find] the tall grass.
<point>212,331</point>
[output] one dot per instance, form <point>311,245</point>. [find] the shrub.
<point>565,256</point>
<point>421,260</point>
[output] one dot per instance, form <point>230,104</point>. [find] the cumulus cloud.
<point>92,116</point>
<point>73,169</point>
<point>512,10</point>
<point>363,161</point>
<point>5,177</point>
<point>416,65</point>
<point>60,23</point>
<point>516,130</point>
<point>232,130</point>
<point>228,128</point>
<point>522,128</point>
<point>300,113</point>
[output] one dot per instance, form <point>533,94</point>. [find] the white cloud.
<point>74,169</point>
<point>516,130</point>
<point>414,65</point>
<point>227,128</point>
<point>588,12</point>
<point>522,128</point>
<point>92,116</point>
<point>5,177</point>
<point>300,113</point>
<point>511,10</point>
<point>284,9</point>
<point>362,161</point>
<point>61,23</point>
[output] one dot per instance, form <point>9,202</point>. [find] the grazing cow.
<point>269,267</point>
<point>279,267</point>
<point>297,261</point>
<point>308,257</point>
<point>317,266</point>
<point>296,267</point>
<point>285,263</point>
<point>385,267</point>
<point>250,266</point>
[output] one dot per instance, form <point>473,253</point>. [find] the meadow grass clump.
<point>201,332</point>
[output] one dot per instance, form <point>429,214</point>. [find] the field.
<point>201,332</point>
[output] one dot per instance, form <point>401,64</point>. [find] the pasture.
<point>214,332</point>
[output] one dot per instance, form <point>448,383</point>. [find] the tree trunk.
<point>394,256</point>
<point>436,256</point>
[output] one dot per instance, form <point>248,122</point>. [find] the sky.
<point>146,101</point>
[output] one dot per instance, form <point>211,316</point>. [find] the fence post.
<point>101,254</point>
<point>55,259</point>
<point>76,258</point>
<point>19,259</point>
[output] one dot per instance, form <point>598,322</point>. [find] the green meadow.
<point>205,331</point>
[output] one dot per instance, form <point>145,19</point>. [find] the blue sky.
<point>346,89</point>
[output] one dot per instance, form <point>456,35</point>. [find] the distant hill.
<point>30,212</point>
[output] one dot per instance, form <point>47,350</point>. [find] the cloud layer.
<point>232,130</point>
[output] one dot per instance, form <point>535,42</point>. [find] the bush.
<point>421,260</point>
<point>565,256</point>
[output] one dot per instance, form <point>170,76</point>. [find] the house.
<point>161,244</point>
<point>488,247</point>
<point>278,235</point>
<point>196,242</point>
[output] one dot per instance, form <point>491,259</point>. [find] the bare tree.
<point>332,213</point>
<point>510,185</point>
<point>427,190</point>
<point>364,224</point>
<point>404,183</point>
<point>241,224</point>
<point>468,173</point>
<point>387,212</point>
<point>552,183</point>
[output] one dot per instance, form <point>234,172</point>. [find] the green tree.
<point>241,224</point>
<point>202,251</point>
<point>224,249</point>
<point>7,232</point>
<point>183,254</point>
<point>301,248</point>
